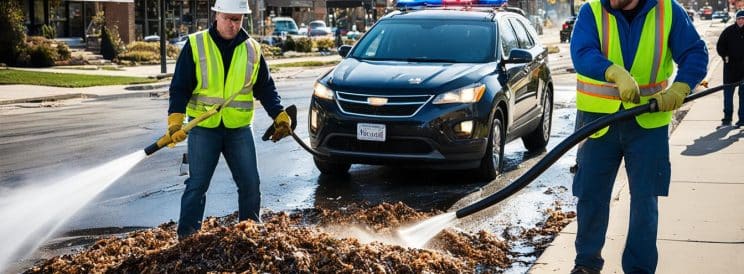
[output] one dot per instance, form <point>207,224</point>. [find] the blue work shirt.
<point>184,78</point>
<point>688,50</point>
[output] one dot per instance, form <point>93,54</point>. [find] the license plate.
<point>371,132</point>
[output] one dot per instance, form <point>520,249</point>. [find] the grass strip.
<point>67,80</point>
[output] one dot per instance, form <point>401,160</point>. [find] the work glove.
<point>627,86</point>
<point>176,134</point>
<point>282,122</point>
<point>673,97</point>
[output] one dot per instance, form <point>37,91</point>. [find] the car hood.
<point>352,74</point>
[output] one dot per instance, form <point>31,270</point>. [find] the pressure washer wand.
<point>566,145</point>
<point>165,140</point>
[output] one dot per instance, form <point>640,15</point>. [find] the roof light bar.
<point>443,3</point>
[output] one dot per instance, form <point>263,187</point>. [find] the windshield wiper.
<point>432,60</point>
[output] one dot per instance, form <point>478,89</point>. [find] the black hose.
<point>566,145</point>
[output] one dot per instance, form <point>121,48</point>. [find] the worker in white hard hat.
<point>213,65</point>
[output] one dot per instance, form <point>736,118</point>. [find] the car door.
<point>528,101</point>
<point>517,78</point>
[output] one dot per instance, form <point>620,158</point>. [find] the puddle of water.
<point>32,214</point>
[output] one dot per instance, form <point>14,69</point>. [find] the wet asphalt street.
<point>42,145</point>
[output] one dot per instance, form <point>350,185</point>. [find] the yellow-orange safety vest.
<point>651,66</point>
<point>213,88</point>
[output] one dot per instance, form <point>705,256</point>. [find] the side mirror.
<point>344,50</point>
<point>517,56</point>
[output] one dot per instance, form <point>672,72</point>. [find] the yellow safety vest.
<point>213,88</point>
<point>651,67</point>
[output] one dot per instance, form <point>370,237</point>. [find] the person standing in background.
<point>730,47</point>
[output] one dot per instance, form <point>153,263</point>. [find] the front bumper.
<point>425,139</point>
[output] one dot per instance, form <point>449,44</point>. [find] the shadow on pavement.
<point>713,142</point>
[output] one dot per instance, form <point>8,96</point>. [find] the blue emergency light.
<point>445,3</point>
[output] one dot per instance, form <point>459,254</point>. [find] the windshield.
<point>449,41</point>
<point>285,25</point>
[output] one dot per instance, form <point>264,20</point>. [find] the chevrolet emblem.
<point>377,101</point>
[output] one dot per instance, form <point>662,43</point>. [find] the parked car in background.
<point>318,28</point>
<point>707,13</point>
<point>691,14</point>
<point>284,25</point>
<point>724,16</point>
<point>179,41</point>
<point>152,38</point>
<point>567,28</point>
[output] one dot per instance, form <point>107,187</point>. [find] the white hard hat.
<point>232,6</point>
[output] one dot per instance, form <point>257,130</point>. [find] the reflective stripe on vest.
<point>609,90</point>
<point>651,66</point>
<point>213,88</point>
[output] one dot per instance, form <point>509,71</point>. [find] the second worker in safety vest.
<point>214,65</point>
<point>623,52</point>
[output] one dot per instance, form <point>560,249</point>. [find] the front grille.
<point>396,146</point>
<point>396,106</point>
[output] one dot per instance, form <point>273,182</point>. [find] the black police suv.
<point>438,88</point>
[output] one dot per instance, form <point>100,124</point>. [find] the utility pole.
<point>161,14</point>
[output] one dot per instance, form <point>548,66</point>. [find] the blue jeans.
<point>728,103</point>
<point>646,154</point>
<point>204,148</point>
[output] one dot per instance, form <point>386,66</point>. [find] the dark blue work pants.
<point>204,148</point>
<point>728,103</point>
<point>646,154</point>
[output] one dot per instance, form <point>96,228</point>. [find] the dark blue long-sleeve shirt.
<point>184,78</point>
<point>688,50</point>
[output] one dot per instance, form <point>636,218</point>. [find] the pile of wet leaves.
<point>299,242</point>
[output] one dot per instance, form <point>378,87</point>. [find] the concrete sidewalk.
<point>13,94</point>
<point>701,222</point>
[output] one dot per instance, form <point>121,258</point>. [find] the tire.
<point>538,139</point>
<point>331,168</point>
<point>492,162</point>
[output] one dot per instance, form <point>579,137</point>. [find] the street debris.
<point>300,243</point>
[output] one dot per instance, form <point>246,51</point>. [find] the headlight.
<point>321,91</point>
<point>463,95</point>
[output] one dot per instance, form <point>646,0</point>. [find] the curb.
<point>47,98</point>
<point>148,86</point>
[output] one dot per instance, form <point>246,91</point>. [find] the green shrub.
<point>304,44</point>
<point>269,51</point>
<point>154,47</point>
<point>48,31</point>
<point>144,46</point>
<point>63,51</point>
<point>289,44</point>
<point>324,44</point>
<point>12,33</point>
<point>108,46</point>
<point>42,56</point>
<point>41,52</point>
<point>139,56</point>
<point>171,51</point>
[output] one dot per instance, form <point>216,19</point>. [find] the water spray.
<point>421,233</point>
<point>60,201</point>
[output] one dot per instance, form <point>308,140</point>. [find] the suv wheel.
<point>493,160</point>
<point>537,140</point>
<point>331,168</point>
